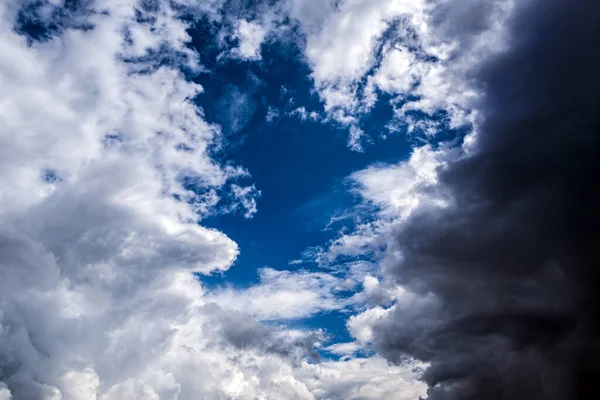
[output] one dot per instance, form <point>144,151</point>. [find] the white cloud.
<point>398,71</point>
<point>396,190</point>
<point>361,325</point>
<point>343,49</point>
<point>4,392</point>
<point>355,139</point>
<point>363,379</point>
<point>272,114</point>
<point>284,295</point>
<point>251,35</point>
<point>97,289</point>
<point>401,47</point>
<point>388,194</point>
<point>362,240</point>
<point>304,115</point>
<point>342,45</point>
<point>245,197</point>
<point>343,349</point>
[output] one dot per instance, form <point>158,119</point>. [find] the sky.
<point>299,199</point>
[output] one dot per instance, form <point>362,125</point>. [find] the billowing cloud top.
<point>466,268</point>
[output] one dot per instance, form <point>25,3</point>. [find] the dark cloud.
<point>512,262</point>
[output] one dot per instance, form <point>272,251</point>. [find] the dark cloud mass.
<point>512,263</point>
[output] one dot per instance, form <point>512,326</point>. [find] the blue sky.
<point>301,167</point>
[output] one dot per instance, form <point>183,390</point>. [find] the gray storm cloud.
<point>512,262</point>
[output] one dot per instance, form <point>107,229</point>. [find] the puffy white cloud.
<point>396,190</point>
<point>368,378</point>
<point>284,295</point>
<point>344,48</point>
<point>397,72</point>
<point>359,48</point>
<point>361,325</point>
<point>343,349</point>
<point>4,392</point>
<point>251,36</point>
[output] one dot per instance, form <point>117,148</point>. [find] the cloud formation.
<point>470,266</point>
<point>415,53</point>
<point>251,36</point>
<point>100,142</point>
<point>506,268</point>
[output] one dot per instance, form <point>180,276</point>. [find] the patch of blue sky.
<point>39,21</point>
<point>300,165</point>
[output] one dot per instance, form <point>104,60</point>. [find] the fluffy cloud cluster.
<point>250,35</point>
<point>100,143</point>
<point>417,53</point>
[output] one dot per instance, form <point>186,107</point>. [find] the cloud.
<point>343,348</point>
<point>272,115</point>
<point>503,275</point>
<point>4,392</point>
<point>487,279</point>
<point>388,194</point>
<point>361,325</point>
<point>251,36</point>
<point>99,241</point>
<point>304,115</point>
<point>244,198</point>
<point>368,378</point>
<point>284,295</point>
<point>418,52</point>
<point>397,72</point>
<point>357,135</point>
<point>236,108</point>
<point>396,190</point>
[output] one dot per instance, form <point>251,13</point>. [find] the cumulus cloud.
<point>367,378</point>
<point>396,190</point>
<point>99,142</point>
